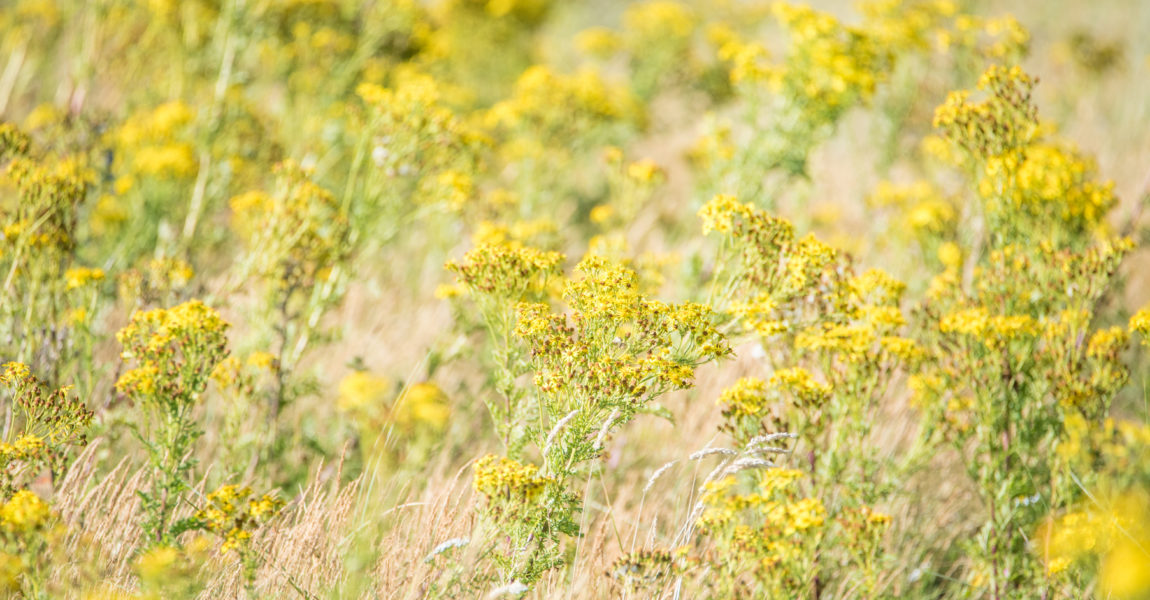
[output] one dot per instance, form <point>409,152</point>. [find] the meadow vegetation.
<point>526,298</point>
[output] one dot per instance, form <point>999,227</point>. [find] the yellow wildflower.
<point>23,512</point>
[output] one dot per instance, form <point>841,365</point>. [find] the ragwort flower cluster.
<point>175,351</point>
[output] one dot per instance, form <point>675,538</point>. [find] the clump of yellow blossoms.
<point>586,101</point>
<point>234,514</point>
<point>924,215</point>
<point>553,122</point>
<point>361,392</point>
<point>828,63</point>
<point>909,24</point>
<point>641,570</point>
<point>13,142</point>
<point>23,513</point>
<point>26,524</point>
<point>44,316</point>
<point>156,282</point>
<point>615,353</point>
<point>801,384</point>
<point>1011,362</point>
<point>630,186</point>
<point>169,571</point>
<point>594,370</point>
<point>763,532</point>
<point>502,479</point>
<point>1027,184</point>
<point>658,40</point>
<point>1140,323</point>
<point>831,338</point>
<point>418,412</point>
<point>747,398</point>
<point>45,425</point>
<point>918,25</point>
<point>927,211</point>
<point>497,277</point>
<point>1052,178</point>
<point>299,244</point>
<point>421,405</point>
<point>519,233</point>
<point>753,407</point>
<point>513,495</point>
<point>507,271</point>
<point>175,351</point>
<point>296,235</point>
<point>1115,532</point>
<point>792,104</point>
<point>420,146</point>
<point>767,276</point>
<point>81,276</point>
<point>1005,121</point>
<point>51,192</point>
<point>154,143</point>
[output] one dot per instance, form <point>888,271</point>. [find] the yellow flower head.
<point>497,478</point>
<point>362,392</point>
<point>24,512</point>
<point>802,385</point>
<point>80,276</point>
<point>1140,324</point>
<point>747,397</point>
<point>421,405</point>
